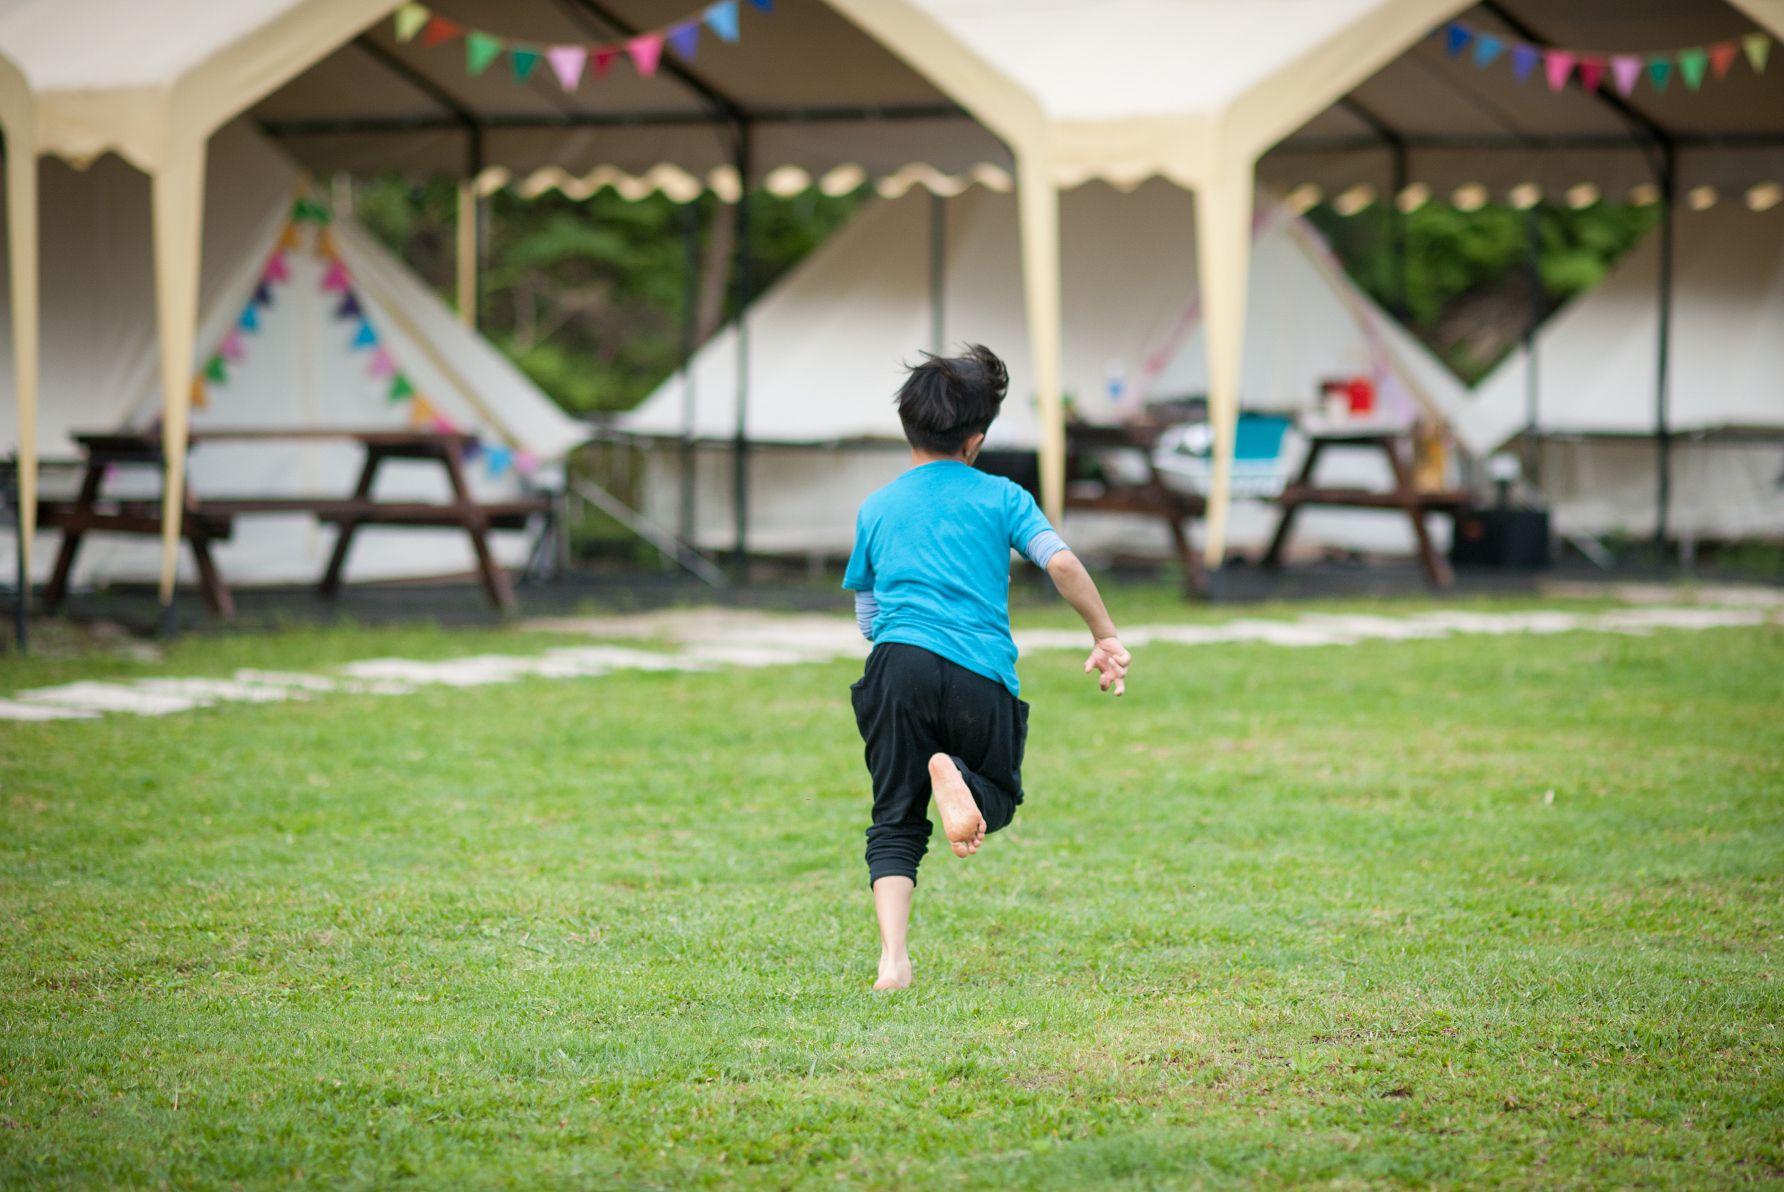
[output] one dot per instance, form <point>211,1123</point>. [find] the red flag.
<point>439,31</point>
<point>646,52</point>
<point>1591,72</point>
<point>603,57</point>
<point>1722,57</point>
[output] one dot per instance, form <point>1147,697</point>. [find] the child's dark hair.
<point>946,400</point>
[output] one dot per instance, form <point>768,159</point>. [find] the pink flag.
<point>336,281</point>
<point>232,347</point>
<point>567,63</point>
<point>1557,65</point>
<point>526,463</point>
<point>1627,70</point>
<point>1591,72</point>
<point>382,365</point>
<point>443,426</point>
<point>276,269</point>
<point>646,51</point>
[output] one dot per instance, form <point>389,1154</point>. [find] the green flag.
<point>480,50</point>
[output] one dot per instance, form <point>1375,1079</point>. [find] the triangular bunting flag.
<point>603,57</point>
<point>1659,71</point>
<point>439,31</point>
<point>263,295</point>
<point>1759,48</point>
<point>232,348</point>
<point>250,320</point>
<point>349,307</point>
<point>442,425</point>
<point>764,5</point>
<point>523,62</point>
<point>276,269</point>
<point>1591,72</point>
<point>1523,60</point>
<point>646,51</point>
<point>567,63</point>
<point>1626,69</point>
<point>290,240</point>
<point>525,463</point>
<point>1486,48</point>
<point>1556,66</point>
<point>326,248</point>
<point>421,412</point>
<point>365,337</point>
<point>498,458</point>
<point>400,389</point>
<point>382,365</point>
<point>1456,38</point>
<point>685,37</point>
<point>1722,56</point>
<point>409,20</point>
<point>335,280</point>
<point>199,397</point>
<point>721,18</point>
<point>216,370</point>
<point>480,50</point>
<point>1692,64</point>
<point>472,449</point>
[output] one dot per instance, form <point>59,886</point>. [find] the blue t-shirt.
<point>934,549</point>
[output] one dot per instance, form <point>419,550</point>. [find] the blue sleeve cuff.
<point>1042,547</point>
<point>867,607</point>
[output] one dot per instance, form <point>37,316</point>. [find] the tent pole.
<point>177,197</point>
<point>1223,248</point>
<point>1038,202</point>
<point>1532,316</point>
<point>1662,350</point>
<point>21,231</point>
<point>938,245</point>
<point>470,228</point>
<point>740,473</point>
<point>690,298</point>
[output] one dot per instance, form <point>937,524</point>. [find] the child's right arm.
<point>1108,658</point>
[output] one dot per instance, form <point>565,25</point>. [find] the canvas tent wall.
<point>99,367</point>
<point>1595,382</point>
<point>831,339</point>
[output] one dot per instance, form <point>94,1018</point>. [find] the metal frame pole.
<point>1662,351</point>
<point>938,246</point>
<point>690,234</point>
<point>21,610</point>
<point>1533,315</point>
<point>740,444</point>
<point>1397,230</point>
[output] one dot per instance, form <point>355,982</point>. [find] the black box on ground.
<point>1513,539</point>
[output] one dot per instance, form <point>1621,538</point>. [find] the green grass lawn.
<point>1482,910</point>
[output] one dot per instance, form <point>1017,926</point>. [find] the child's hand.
<point>1109,660</point>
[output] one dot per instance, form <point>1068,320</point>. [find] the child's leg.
<point>987,730</point>
<point>892,906</point>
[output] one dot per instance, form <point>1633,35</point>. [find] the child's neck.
<point>919,457</point>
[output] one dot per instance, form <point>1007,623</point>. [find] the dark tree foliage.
<point>1467,291</point>
<point>589,296</point>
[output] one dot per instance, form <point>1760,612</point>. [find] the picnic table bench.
<point>1150,497</point>
<point>1405,496</point>
<point>210,519</point>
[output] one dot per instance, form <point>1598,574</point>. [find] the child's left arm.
<point>1108,657</point>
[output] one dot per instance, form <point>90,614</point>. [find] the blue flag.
<point>366,337</point>
<point>721,18</point>
<point>1456,38</point>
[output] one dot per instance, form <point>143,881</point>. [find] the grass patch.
<point>1280,916</point>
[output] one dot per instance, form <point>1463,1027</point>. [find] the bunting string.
<point>1692,65</point>
<point>348,309</point>
<point>571,63</point>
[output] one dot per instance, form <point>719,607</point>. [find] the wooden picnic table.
<point>209,519</point>
<point>1405,496</point>
<point>1148,498</point>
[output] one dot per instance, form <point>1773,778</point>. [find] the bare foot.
<point>961,820</point>
<point>895,973</point>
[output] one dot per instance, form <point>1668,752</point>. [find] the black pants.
<point>910,705</point>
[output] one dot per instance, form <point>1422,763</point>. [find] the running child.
<point>937,705</point>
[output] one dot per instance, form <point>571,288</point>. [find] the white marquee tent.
<point>297,368</point>
<point>830,340</point>
<point>1205,93</point>
<point>1595,380</point>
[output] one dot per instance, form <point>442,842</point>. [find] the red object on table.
<point>1361,392</point>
